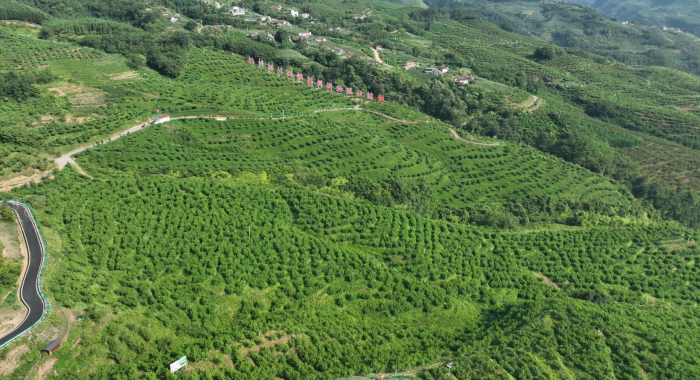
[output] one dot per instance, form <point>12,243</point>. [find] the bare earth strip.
<point>12,361</point>
<point>45,368</point>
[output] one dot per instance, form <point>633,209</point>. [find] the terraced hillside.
<point>353,144</point>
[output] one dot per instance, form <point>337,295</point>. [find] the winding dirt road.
<point>458,137</point>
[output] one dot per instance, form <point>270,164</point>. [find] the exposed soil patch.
<point>9,319</point>
<point>29,24</point>
<point>10,240</point>
<point>12,361</point>
<point>687,109</point>
<point>546,279</point>
<point>80,97</point>
<point>21,180</point>
<point>45,368</point>
<point>77,120</point>
<point>124,76</point>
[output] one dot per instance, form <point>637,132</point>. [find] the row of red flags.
<point>310,81</point>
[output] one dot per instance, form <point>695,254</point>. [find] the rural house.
<point>237,11</point>
<point>320,39</point>
<point>337,50</point>
<point>276,8</point>
<point>349,55</point>
<point>293,13</point>
<point>305,15</point>
<point>465,79</point>
<point>160,119</point>
<point>408,65</point>
<point>443,69</point>
<point>305,34</point>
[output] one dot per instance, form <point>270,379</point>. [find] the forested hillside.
<point>522,210</point>
<point>675,13</point>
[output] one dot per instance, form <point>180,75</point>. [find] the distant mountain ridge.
<point>683,14</point>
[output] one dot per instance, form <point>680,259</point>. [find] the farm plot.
<point>352,144</point>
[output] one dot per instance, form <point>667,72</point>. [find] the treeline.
<point>19,85</point>
<point>164,52</point>
<point>14,10</point>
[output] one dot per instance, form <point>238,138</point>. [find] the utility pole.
<point>282,115</point>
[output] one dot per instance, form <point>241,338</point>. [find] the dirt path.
<point>45,368</point>
<point>456,135</point>
<point>379,59</point>
<point>12,361</point>
<point>540,101</point>
<point>530,103</point>
<point>67,158</point>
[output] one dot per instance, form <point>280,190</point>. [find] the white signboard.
<point>179,363</point>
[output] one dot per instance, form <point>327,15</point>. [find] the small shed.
<point>51,347</point>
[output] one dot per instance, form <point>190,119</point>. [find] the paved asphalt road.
<point>29,294</point>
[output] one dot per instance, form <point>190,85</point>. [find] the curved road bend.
<point>29,287</point>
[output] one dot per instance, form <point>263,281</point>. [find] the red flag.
<point>260,63</point>
<point>300,77</point>
<point>348,91</point>
<point>370,96</point>
<point>251,61</point>
<point>279,71</point>
<point>309,80</point>
<point>289,73</point>
<point>339,88</point>
<point>329,86</point>
<point>380,98</point>
<point>359,93</point>
<point>270,67</point>
<point>319,83</point>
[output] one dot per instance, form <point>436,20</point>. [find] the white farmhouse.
<point>160,119</point>
<point>237,11</point>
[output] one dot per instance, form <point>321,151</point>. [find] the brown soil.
<point>9,319</point>
<point>124,75</point>
<point>77,120</point>
<point>546,279</point>
<point>10,240</point>
<point>20,181</point>
<point>686,109</point>
<point>45,368</point>
<point>12,362</point>
<point>29,24</point>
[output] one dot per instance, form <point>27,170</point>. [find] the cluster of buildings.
<point>238,11</point>
<point>439,70</point>
<point>340,51</point>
